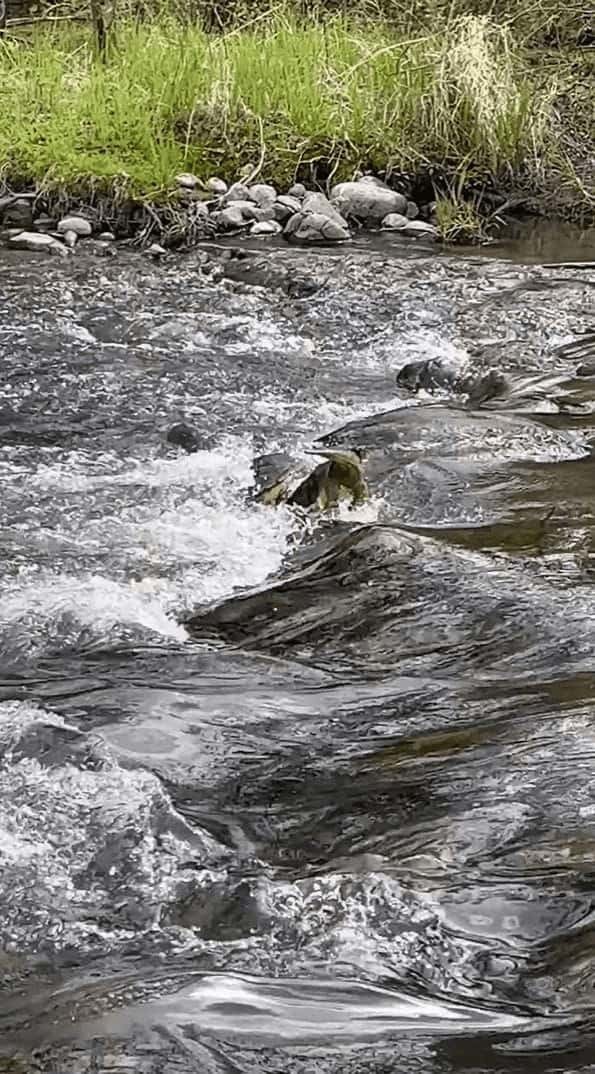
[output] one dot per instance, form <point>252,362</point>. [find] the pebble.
<point>216,186</point>
<point>187,181</point>
<point>107,236</point>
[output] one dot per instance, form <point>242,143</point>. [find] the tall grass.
<point>286,92</point>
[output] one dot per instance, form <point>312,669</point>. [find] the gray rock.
<point>187,180</point>
<point>78,224</point>
<point>374,180</point>
<point>38,243</point>
<point>263,194</point>
<point>45,223</point>
<point>318,203</point>
<point>394,222</point>
<point>315,228</point>
<point>298,190</point>
<point>156,251</point>
<point>421,229</point>
<point>107,236</point>
<point>412,210</point>
<point>18,213</point>
<point>231,218</point>
<point>285,206</point>
<point>265,227</point>
<point>70,238</point>
<point>367,202</point>
<point>263,214</point>
<point>216,186</point>
<point>236,192</point>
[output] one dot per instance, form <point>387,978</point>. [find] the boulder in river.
<point>38,243</point>
<point>187,437</point>
<point>78,224</point>
<point>367,202</point>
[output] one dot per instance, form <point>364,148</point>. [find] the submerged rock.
<point>367,202</point>
<point>78,224</point>
<point>37,242</point>
<point>187,437</point>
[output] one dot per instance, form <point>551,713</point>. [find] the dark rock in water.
<point>187,437</point>
<point>587,369</point>
<point>437,373</point>
<point>429,374</point>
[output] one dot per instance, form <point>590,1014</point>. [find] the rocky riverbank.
<point>200,210</point>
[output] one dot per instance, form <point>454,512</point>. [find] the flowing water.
<point>346,823</point>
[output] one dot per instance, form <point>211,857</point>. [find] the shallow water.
<point>346,822</point>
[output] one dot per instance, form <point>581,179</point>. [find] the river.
<point>347,823</point>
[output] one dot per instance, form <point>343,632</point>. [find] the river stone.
<point>37,242</point>
<point>18,213</point>
<point>216,186</point>
<point>77,224</point>
<point>319,204</point>
<point>265,227</point>
<point>367,202</point>
<point>315,228</point>
<point>70,237</point>
<point>298,190</point>
<point>412,210</point>
<point>187,180</point>
<point>419,227</point>
<point>236,192</point>
<point>155,250</point>
<point>230,218</point>
<point>107,236</point>
<point>263,194</point>
<point>394,222</point>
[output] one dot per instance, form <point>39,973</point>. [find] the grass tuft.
<point>322,97</point>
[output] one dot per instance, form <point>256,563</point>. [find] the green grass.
<point>294,95</point>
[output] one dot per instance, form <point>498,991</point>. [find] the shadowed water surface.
<point>286,795</point>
